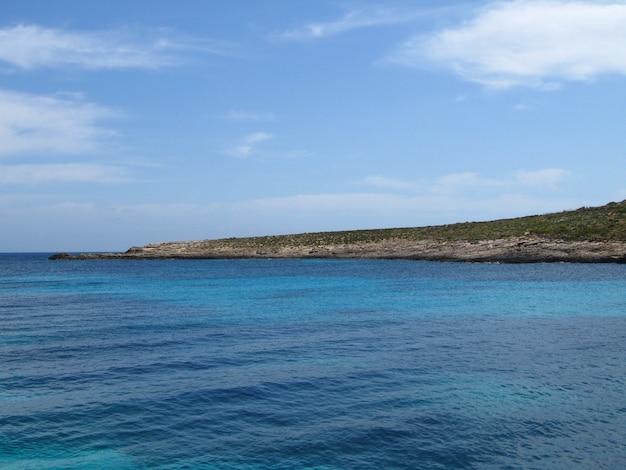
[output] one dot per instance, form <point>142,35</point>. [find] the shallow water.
<point>276,364</point>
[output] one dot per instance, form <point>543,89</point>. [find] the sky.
<point>126,123</point>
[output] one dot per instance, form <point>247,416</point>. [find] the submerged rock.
<point>61,256</point>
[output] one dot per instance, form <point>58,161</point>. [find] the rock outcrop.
<point>525,249</point>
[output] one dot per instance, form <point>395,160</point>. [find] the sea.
<point>311,364</point>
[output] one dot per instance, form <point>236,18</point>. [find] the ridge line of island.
<point>585,235</point>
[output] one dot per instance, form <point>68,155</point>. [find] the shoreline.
<point>515,249</point>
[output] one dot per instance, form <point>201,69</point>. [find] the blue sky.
<point>124,123</point>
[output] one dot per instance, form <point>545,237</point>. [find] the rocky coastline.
<point>514,249</point>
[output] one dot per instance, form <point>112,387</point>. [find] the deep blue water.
<point>274,364</point>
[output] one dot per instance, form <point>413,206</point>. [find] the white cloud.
<point>32,46</point>
<point>95,227</point>
<point>356,19</point>
<point>549,177</point>
<point>324,202</point>
<point>523,107</point>
<point>321,212</point>
<point>61,172</point>
<point>49,125</point>
<point>386,182</point>
<point>249,144</point>
<point>459,183</point>
<point>538,43</point>
<point>455,183</point>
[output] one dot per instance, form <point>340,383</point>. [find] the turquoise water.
<point>275,364</point>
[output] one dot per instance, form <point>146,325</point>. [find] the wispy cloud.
<point>266,216</point>
<point>355,19</point>
<point>386,183</point>
<point>33,46</point>
<point>533,43</point>
<point>523,107</point>
<point>249,144</point>
<point>343,211</point>
<point>62,172</point>
<point>549,177</point>
<point>460,183</point>
<point>50,125</point>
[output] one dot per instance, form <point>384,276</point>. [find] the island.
<point>585,235</point>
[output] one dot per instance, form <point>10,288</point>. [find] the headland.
<point>585,235</point>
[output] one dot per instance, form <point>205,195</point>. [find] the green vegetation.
<point>587,223</point>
